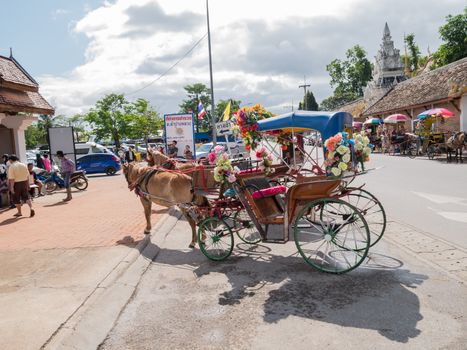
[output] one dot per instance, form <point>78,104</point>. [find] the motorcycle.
<point>53,180</point>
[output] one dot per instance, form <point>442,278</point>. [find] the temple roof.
<point>447,82</point>
<point>19,92</point>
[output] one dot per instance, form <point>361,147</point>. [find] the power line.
<point>171,67</point>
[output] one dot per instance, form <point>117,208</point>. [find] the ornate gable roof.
<point>444,83</point>
<point>19,92</point>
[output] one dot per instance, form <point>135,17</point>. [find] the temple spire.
<point>386,30</point>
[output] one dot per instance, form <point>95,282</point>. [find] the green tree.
<point>34,136</point>
<point>454,36</point>
<point>145,121</point>
<point>413,57</point>
<point>222,104</point>
<point>311,104</point>
<point>348,77</point>
<point>195,93</point>
<point>80,127</point>
<point>110,118</point>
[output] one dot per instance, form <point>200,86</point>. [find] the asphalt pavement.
<point>430,195</point>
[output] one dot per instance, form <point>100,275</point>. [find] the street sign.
<point>224,128</point>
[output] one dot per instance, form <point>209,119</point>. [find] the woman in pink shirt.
<point>46,162</point>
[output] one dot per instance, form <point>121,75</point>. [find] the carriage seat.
<point>269,192</point>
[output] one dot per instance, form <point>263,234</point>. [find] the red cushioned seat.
<point>269,192</point>
<point>248,171</point>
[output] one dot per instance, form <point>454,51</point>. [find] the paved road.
<point>268,298</point>
<point>429,195</point>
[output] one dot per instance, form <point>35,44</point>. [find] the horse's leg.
<point>147,204</point>
<point>192,223</point>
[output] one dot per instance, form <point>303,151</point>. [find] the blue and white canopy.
<point>327,123</point>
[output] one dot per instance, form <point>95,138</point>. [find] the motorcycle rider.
<point>67,168</point>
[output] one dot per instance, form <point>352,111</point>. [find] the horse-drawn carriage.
<point>333,224</point>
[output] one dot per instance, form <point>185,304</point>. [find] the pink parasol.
<point>357,125</point>
<point>438,112</point>
<point>396,118</point>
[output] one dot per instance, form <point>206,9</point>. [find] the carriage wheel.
<point>431,152</point>
<point>371,209</point>
<point>331,235</point>
<point>245,228</point>
<point>215,239</point>
<point>412,150</point>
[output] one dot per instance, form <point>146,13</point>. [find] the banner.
<point>180,128</point>
<point>61,139</point>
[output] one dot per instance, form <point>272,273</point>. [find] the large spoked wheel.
<point>412,150</point>
<point>50,186</point>
<point>215,239</point>
<point>81,183</point>
<point>331,235</point>
<point>245,228</point>
<point>371,209</point>
<point>431,152</point>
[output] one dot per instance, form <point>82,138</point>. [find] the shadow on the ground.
<point>13,220</point>
<point>376,296</point>
<point>129,241</point>
<point>92,176</point>
<point>56,204</point>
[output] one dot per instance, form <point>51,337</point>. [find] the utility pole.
<point>304,86</point>
<point>288,106</point>
<point>213,117</point>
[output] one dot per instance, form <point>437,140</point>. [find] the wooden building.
<point>20,101</point>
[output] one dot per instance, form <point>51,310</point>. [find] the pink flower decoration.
<point>225,156</point>
<point>218,149</point>
<point>212,158</point>
<point>231,178</point>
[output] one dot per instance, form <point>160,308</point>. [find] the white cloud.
<point>260,50</point>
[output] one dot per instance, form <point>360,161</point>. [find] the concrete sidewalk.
<point>54,262</point>
<point>266,297</point>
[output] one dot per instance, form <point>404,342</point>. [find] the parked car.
<point>86,148</point>
<point>237,150</point>
<point>107,163</point>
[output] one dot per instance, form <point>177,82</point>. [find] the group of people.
<point>17,180</point>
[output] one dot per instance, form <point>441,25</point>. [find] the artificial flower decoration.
<point>362,148</point>
<point>283,139</point>
<point>338,154</point>
<point>224,172</point>
<point>247,125</point>
<point>265,159</point>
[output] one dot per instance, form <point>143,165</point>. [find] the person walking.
<point>130,155</point>
<point>18,178</point>
<point>67,167</point>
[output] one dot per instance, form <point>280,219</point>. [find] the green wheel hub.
<point>215,239</point>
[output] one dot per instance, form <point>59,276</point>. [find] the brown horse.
<point>456,144</point>
<point>164,188</point>
<point>158,159</point>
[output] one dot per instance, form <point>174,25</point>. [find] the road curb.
<point>435,252</point>
<point>90,323</point>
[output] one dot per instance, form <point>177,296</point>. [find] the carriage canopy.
<point>327,123</point>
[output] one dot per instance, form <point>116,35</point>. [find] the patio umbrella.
<point>357,125</point>
<point>373,121</point>
<point>396,118</point>
<point>439,112</point>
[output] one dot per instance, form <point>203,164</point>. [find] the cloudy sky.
<point>81,50</point>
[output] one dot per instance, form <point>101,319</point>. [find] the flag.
<point>201,111</point>
<point>226,112</point>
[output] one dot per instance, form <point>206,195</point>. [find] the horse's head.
<point>130,170</point>
<point>157,159</point>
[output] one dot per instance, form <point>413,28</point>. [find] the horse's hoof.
<point>192,245</point>
<point>146,232</point>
